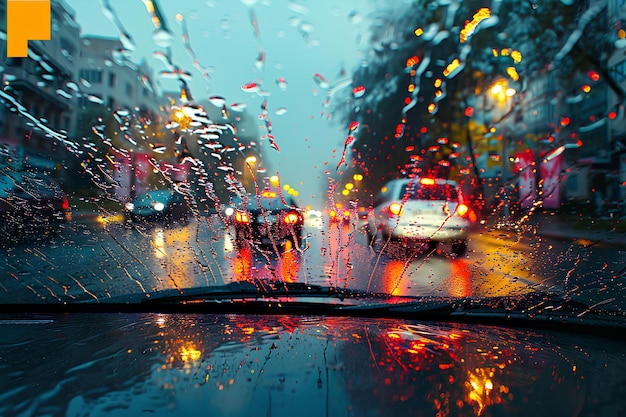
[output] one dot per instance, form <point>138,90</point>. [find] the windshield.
<point>166,145</point>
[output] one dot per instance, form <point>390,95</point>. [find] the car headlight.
<point>159,206</point>
<point>229,211</point>
<point>129,206</point>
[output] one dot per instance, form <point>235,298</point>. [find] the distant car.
<point>313,218</point>
<point>30,202</point>
<point>159,205</point>
<point>426,209</point>
<point>266,219</point>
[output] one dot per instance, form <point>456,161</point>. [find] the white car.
<point>424,209</point>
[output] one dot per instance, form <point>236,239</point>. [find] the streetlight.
<point>502,93</point>
<point>248,163</point>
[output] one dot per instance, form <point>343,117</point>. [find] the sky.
<point>223,37</point>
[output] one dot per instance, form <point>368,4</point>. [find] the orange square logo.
<point>26,20</point>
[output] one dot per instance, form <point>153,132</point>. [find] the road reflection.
<point>99,261</point>
<point>249,264</point>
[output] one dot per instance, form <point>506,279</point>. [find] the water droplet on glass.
<point>251,87</point>
<point>320,80</point>
<point>354,17</point>
<point>162,38</point>
<point>298,8</point>
<point>217,101</point>
<point>64,94</point>
<point>280,111</point>
<point>238,106</point>
<point>95,99</point>
<point>281,83</point>
<point>358,92</point>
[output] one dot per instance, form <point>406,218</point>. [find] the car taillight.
<point>462,210</point>
<point>346,214</point>
<point>332,214</point>
<point>65,204</point>
<point>242,217</point>
<point>291,218</point>
<point>396,209</point>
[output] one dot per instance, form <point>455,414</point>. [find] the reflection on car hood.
<point>240,365</point>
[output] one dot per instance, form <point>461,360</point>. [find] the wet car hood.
<point>235,365</point>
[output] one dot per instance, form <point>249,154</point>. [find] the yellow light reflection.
<point>468,30</point>
<point>451,66</point>
<point>512,72</point>
<point>189,353</point>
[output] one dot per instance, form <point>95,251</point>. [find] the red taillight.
<point>65,204</point>
<point>291,218</point>
<point>462,210</point>
<point>242,217</point>
<point>396,209</point>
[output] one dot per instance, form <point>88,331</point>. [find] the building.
<point>107,74</point>
<point>44,84</point>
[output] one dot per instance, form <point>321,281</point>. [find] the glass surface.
<point>320,104</point>
<point>144,146</point>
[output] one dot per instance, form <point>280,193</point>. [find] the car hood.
<point>236,365</point>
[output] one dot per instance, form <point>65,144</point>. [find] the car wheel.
<point>459,248</point>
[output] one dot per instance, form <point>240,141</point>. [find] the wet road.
<point>91,260</point>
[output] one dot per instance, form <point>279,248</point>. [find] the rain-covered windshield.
<point>511,110</point>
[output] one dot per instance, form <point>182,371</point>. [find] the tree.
<point>428,61</point>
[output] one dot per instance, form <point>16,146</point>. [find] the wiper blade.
<point>251,290</point>
<point>533,310</point>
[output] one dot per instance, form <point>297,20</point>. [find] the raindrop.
<point>298,8</point>
<point>306,27</point>
<point>64,94</point>
<point>280,111</point>
<point>320,80</point>
<point>72,85</point>
<point>238,106</point>
<point>46,66</point>
<point>281,83</point>
<point>95,99</point>
<point>217,101</point>
<point>162,38</point>
<point>358,91</point>
<point>354,17</point>
<point>251,87</point>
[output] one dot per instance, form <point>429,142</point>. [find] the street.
<point>91,260</point>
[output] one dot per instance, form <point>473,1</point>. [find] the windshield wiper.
<point>533,310</point>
